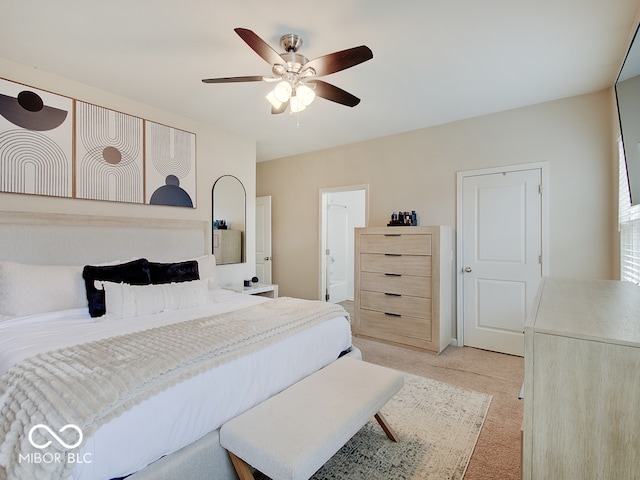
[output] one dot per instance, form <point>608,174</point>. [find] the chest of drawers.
<point>403,285</point>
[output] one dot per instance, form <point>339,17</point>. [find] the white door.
<point>342,209</point>
<point>263,239</point>
<point>339,262</point>
<point>501,256</point>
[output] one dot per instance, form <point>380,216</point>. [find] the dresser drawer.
<point>408,244</point>
<point>399,284</point>
<point>397,304</point>
<point>376,324</point>
<point>400,264</point>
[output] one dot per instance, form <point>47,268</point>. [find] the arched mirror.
<point>228,207</point>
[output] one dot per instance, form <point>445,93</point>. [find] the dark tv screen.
<point>627,89</point>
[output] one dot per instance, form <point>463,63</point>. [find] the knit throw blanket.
<point>88,385</point>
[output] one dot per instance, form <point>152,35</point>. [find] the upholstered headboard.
<point>61,239</point>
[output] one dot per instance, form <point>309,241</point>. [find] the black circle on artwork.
<point>172,180</point>
<point>112,155</point>
<point>171,194</point>
<point>27,110</point>
<point>30,101</point>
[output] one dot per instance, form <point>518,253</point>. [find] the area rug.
<point>437,425</point>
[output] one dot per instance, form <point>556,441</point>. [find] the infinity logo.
<point>53,434</point>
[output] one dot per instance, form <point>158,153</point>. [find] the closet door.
<point>263,239</point>
<point>501,264</point>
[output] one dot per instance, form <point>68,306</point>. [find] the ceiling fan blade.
<point>280,109</point>
<point>333,93</point>
<point>261,47</point>
<point>253,78</point>
<point>334,62</point>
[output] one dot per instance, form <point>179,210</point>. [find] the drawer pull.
<point>392,234</point>
<point>393,294</point>
<point>392,254</point>
<point>392,314</point>
<point>393,274</point>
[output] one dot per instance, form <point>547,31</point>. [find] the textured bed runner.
<point>88,385</point>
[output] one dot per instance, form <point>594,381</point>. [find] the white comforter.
<point>203,403</point>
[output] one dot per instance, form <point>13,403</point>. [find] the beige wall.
<point>217,153</point>
<point>417,171</point>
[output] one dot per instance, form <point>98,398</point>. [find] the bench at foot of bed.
<point>291,435</point>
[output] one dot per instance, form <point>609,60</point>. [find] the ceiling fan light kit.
<point>305,94</point>
<point>296,85</point>
<point>295,105</point>
<point>283,91</point>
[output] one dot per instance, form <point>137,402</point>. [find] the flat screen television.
<point>627,89</point>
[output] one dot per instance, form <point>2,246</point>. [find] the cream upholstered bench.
<point>291,435</point>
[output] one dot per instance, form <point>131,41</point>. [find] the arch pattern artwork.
<point>109,158</point>
<point>170,166</point>
<point>35,141</point>
<point>57,146</point>
<point>33,163</point>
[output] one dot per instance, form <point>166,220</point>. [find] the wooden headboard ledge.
<point>66,239</point>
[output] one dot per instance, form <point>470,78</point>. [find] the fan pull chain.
<point>297,114</point>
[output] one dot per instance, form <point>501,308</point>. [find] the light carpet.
<point>437,424</point>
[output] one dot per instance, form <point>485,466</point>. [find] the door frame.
<point>322,218</point>
<point>545,198</point>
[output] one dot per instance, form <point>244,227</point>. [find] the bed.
<point>165,399</point>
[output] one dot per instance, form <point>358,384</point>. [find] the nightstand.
<point>262,290</point>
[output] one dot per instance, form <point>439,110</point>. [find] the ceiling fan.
<point>296,75</point>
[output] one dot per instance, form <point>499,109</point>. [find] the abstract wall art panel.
<point>57,146</point>
<point>109,155</point>
<point>170,166</point>
<point>36,141</point>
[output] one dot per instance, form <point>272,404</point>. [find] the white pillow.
<point>125,301</point>
<point>30,289</point>
<point>207,269</point>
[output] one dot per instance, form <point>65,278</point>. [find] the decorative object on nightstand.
<point>403,279</point>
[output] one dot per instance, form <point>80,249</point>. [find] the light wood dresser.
<point>582,381</point>
<point>403,281</point>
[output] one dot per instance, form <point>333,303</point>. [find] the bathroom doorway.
<point>341,211</point>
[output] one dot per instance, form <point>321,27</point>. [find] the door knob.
<point>467,270</point>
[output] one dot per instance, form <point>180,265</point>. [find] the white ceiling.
<point>434,61</point>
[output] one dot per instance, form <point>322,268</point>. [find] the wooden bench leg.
<point>242,469</point>
<point>385,426</point>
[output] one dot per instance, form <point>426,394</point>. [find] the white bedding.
<point>203,403</point>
